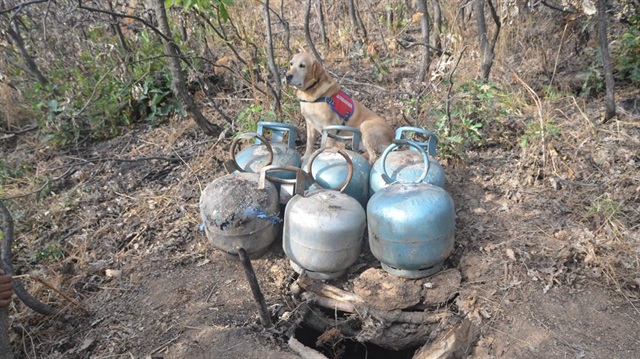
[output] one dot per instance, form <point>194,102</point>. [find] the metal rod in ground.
<point>265,319</point>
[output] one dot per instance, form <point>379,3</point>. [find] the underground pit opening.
<point>335,346</point>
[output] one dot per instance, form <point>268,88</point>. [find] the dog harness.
<point>341,103</point>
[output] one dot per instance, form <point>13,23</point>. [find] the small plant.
<point>551,93</point>
<point>9,172</point>
<point>627,59</point>
<point>152,99</point>
<point>593,80</point>
<point>219,6</point>
<point>52,252</point>
<point>380,70</point>
<point>534,131</point>
<point>248,117</point>
<point>477,105</point>
<point>605,212</point>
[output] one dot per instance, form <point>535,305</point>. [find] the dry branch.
<point>21,6</point>
<point>392,316</point>
<point>328,291</point>
<point>271,59</point>
<point>116,14</point>
<point>69,299</point>
<point>426,53</point>
<point>21,131</point>
<point>67,173</point>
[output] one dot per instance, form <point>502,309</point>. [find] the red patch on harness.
<point>342,104</point>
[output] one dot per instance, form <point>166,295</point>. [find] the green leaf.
<point>224,15</point>
<point>53,105</point>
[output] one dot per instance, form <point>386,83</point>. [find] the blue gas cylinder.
<point>407,165</point>
<point>411,225</point>
<point>330,170</point>
<point>256,156</point>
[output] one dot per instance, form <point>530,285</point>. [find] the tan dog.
<point>314,85</point>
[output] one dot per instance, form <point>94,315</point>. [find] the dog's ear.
<point>317,69</point>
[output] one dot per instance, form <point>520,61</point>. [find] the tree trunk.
<point>486,47</point>
<point>271,60</point>
<point>610,110</point>
<point>426,54</point>
<point>437,24</point>
<point>287,33</point>
<point>178,83</point>
<point>307,31</point>
<point>323,31</point>
<point>360,23</point>
<point>351,8</point>
<point>478,9</point>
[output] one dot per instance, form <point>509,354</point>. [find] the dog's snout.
<point>288,77</point>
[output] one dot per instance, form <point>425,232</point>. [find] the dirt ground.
<point>530,275</point>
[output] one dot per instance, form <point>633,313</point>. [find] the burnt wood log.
<point>327,290</point>
<point>392,316</point>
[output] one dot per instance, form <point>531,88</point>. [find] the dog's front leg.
<point>311,139</point>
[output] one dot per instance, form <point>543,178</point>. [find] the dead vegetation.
<point>547,198</point>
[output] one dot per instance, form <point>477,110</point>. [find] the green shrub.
<point>109,90</point>
<point>476,105</point>
<point>627,55</point>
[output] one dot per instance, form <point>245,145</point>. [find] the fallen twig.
<point>69,299</point>
<point>67,173</point>
<point>21,131</point>
<point>166,344</point>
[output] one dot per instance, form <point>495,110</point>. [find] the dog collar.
<point>341,103</point>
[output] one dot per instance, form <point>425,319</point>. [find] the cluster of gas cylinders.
<point>322,206</point>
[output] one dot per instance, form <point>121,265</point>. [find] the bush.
<point>627,56</point>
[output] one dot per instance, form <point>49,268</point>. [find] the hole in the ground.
<point>348,348</point>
